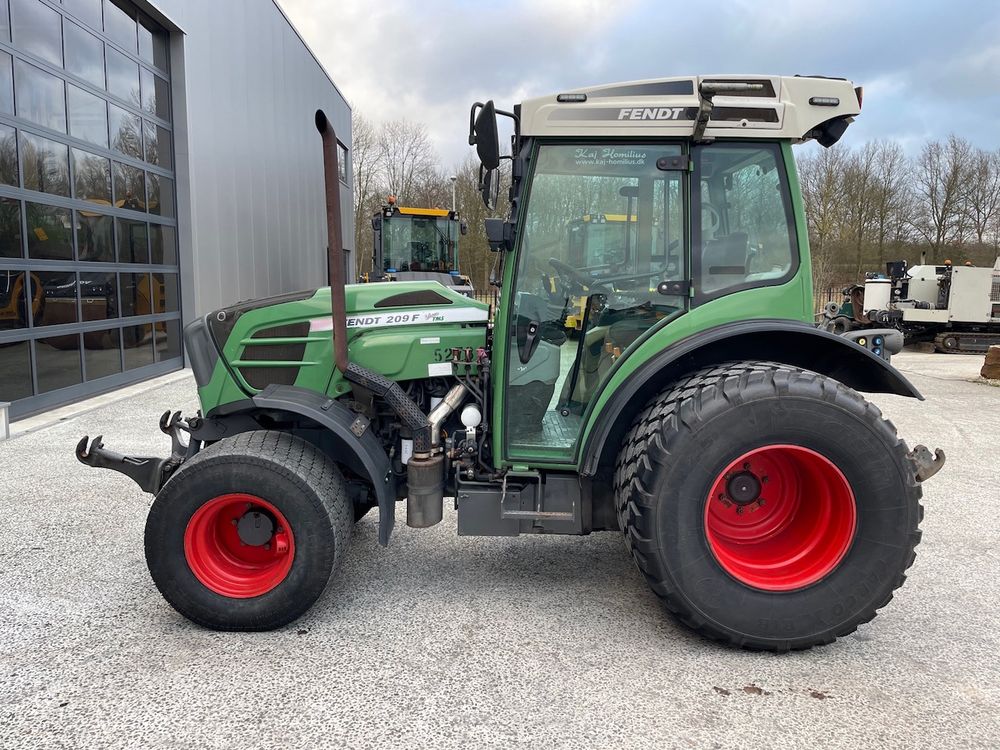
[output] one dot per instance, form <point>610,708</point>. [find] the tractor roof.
<point>423,211</point>
<point>392,209</point>
<point>742,106</point>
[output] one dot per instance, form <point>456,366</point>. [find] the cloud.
<point>927,71</point>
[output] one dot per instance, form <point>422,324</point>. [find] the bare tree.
<point>821,177</point>
<point>940,176</point>
<point>859,203</point>
<point>406,155</point>
<point>982,202</point>
<point>366,158</point>
<point>891,198</point>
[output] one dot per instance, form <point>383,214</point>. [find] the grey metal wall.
<point>249,171</point>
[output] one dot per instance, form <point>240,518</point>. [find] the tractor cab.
<point>638,209</point>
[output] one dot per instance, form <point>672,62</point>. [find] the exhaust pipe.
<point>335,240</point>
<point>452,400</point>
<point>425,471</point>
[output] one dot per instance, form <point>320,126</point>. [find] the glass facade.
<point>89,282</point>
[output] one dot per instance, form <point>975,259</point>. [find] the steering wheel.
<point>578,277</point>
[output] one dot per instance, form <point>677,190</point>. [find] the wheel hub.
<point>743,488</point>
<point>255,528</point>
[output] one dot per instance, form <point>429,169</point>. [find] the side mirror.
<point>484,135</point>
<point>376,223</point>
<point>463,227</point>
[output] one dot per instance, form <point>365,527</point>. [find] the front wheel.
<point>769,507</point>
<point>246,534</point>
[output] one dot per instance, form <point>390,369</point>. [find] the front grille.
<point>414,299</point>
<point>289,330</point>
<point>261,377</point>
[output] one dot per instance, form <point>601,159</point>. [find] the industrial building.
<point>157,161</point>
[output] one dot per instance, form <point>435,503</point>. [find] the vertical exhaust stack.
<point>335,239</point>
<point>425,469</point>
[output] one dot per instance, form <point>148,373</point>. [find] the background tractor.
<point>699,412</point>
<point>417,244</point>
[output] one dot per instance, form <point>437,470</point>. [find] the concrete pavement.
<point>441,642</point>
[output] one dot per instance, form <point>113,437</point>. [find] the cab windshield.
<point>419,243</point>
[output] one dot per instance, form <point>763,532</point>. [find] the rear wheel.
<point>246,535</point>
<point>769,507</point>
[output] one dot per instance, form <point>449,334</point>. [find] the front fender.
<point>354,445</point>
<point>787,342</point>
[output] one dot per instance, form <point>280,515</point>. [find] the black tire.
<point>687,435</point>
<point>303,484</point>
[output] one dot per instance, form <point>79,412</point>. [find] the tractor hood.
<point>403,330</point>
<point>380,304</point>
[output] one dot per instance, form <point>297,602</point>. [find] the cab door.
<point>638,277</point>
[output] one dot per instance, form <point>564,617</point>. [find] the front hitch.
<point>149,472</point>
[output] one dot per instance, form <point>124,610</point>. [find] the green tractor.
<point>699,412</point>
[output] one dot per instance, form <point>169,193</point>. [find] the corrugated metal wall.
<point>249,170</point>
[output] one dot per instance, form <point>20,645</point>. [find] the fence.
<point>490,296</point>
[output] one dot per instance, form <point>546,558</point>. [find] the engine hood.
<point>397,303</point>
<point>404,330</point>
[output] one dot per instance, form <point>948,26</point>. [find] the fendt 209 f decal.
<point>404,318</point>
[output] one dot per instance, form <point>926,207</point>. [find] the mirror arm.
<point>472,124</point>
<point>517,132</point>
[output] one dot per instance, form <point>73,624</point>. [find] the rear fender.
<point>786,342</point>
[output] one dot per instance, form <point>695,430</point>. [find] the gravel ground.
<point>445,642</point>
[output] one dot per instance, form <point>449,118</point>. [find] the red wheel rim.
<point>223,561</point>
<point>780,518</point>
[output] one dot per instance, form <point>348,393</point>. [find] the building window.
<point>89,277</point>
<point>342,165</point>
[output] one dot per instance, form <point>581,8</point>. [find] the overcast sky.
<point>929,67</point>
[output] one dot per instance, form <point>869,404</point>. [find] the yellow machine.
<point>603,244</point>
<point>417,244</point>
<point>13,299</point>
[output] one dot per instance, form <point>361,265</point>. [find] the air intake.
<point>260,376</point>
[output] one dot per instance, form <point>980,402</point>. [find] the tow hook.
<point>149,472</point>
<point>927,465</point>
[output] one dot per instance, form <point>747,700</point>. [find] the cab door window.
<point>603,228</point>
<point>744,227</point>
